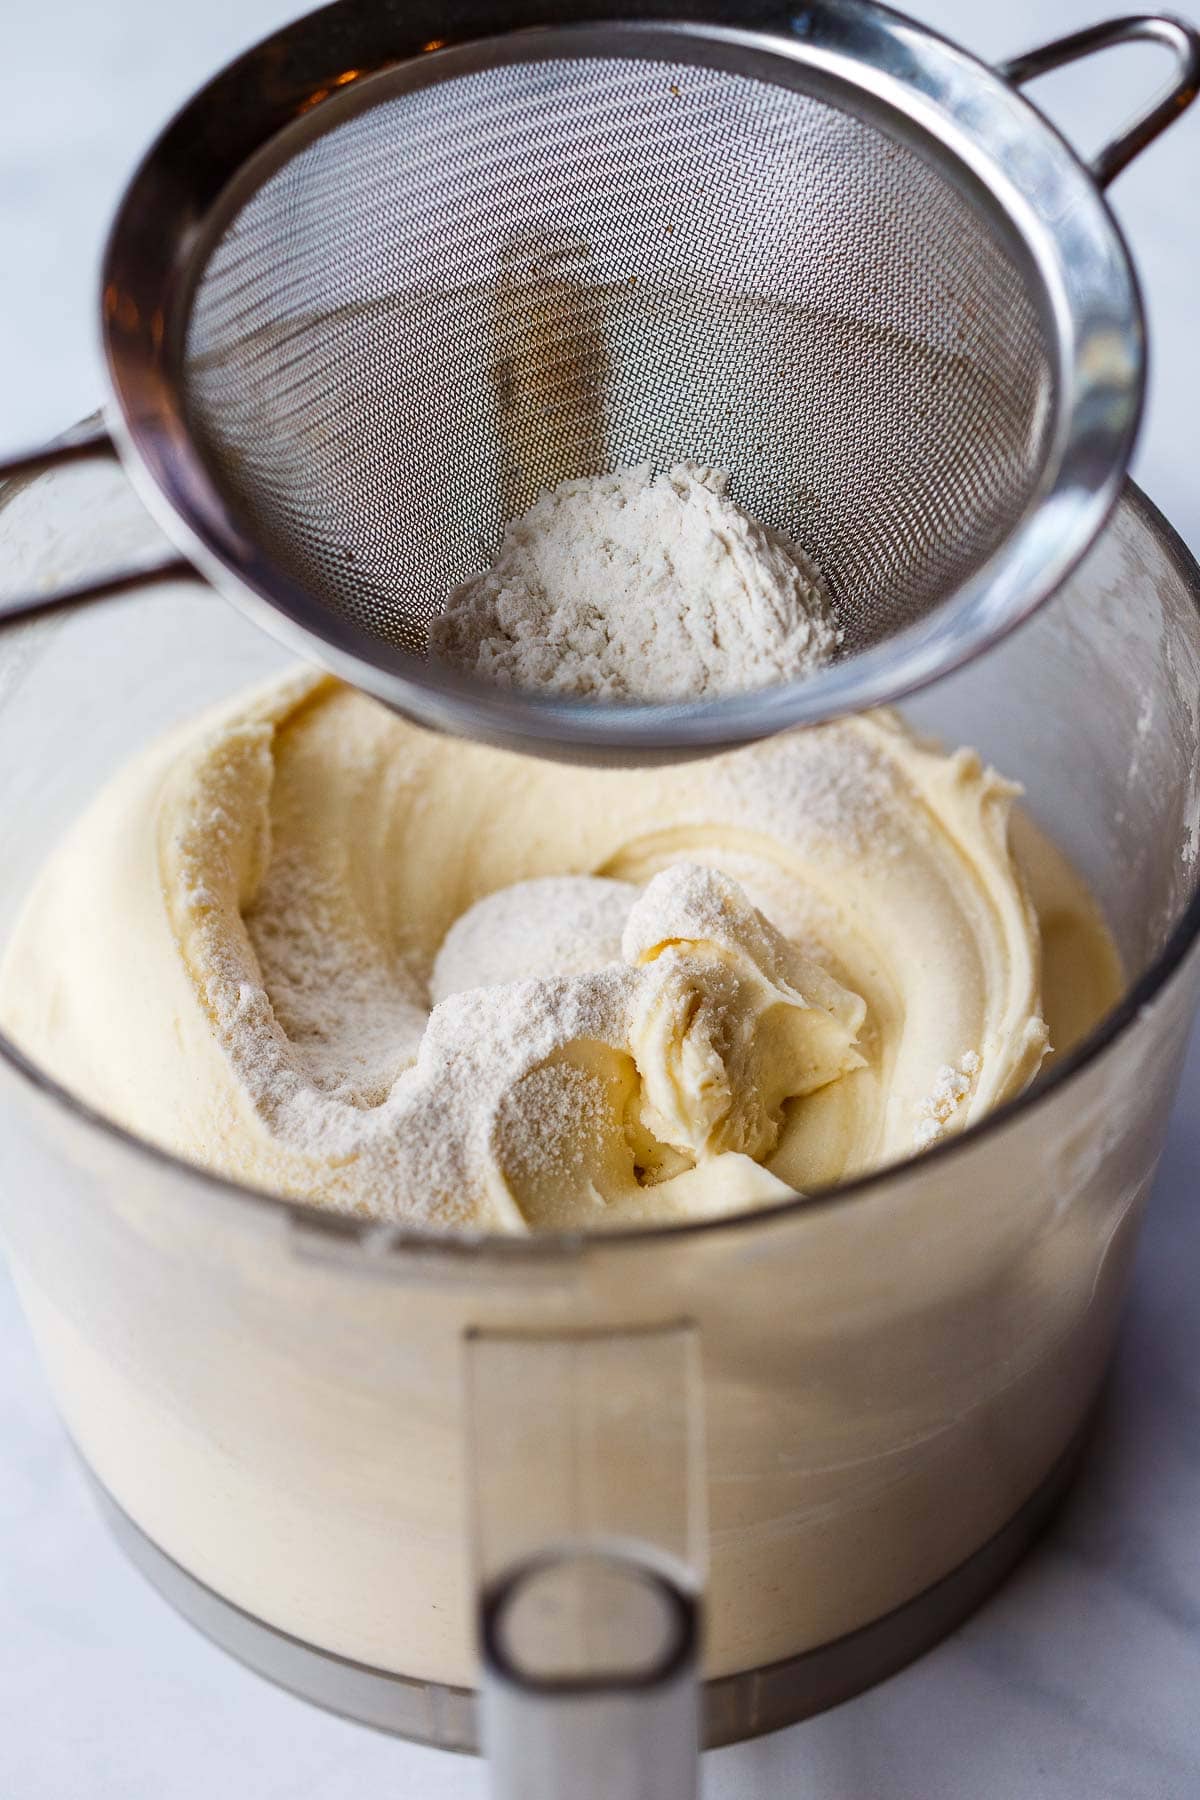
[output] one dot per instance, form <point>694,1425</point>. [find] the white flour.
<point>558,925</point>
<point>633,586</point>
<point>950,1088</point>
<point>511,1079</point>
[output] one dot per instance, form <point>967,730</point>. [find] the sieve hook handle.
<point>83,442</point>
<point>1176,35</point>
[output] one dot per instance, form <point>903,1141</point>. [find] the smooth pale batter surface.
<point>289,944</point>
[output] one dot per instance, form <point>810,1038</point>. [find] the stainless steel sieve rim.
<point>986,137</point>
<point>901,71</point>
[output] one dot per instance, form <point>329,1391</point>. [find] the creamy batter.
<point>310,946</point>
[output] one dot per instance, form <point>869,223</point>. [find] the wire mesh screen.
<point>467,293</point>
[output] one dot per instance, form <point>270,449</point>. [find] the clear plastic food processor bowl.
<point>838,1420</point>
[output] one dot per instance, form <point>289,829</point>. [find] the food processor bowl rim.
<point>386,1237</point>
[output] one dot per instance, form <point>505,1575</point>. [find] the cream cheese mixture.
<point>308,945</point>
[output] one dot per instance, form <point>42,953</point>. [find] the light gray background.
<point>1082,1678</point>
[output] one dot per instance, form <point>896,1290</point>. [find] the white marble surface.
<point>1082,1677</point>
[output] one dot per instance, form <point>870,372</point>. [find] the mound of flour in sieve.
<point>633,586</point>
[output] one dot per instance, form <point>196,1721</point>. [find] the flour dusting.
<point>636,586</point>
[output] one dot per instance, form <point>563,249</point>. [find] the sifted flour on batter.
<point>560,925</point>
<point>633,586</point>
<point>307,945</point>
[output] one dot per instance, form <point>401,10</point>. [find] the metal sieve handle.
<point>83,442</point>
<point>1176,35</point>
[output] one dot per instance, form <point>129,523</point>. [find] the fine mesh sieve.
<point>391,276</point>
<point>471,292</point>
